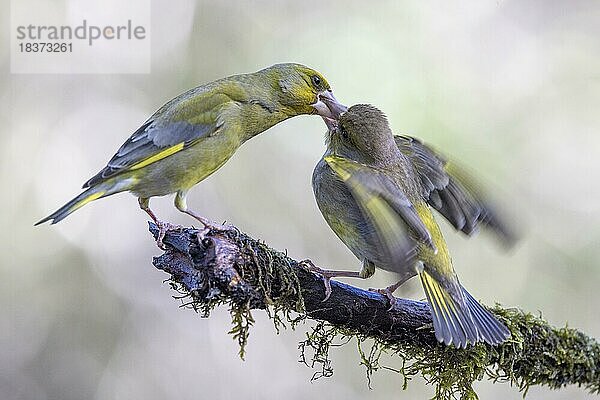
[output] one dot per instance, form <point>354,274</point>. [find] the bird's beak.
<point>332,124</point>
<point>327,105</point>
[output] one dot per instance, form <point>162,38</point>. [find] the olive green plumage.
<point>194,134</point>
<point>376,192</point>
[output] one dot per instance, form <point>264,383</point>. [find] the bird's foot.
<point>388,292</point>
<point>323,273</point>
<point>163,228</point>
<point>210,225</point>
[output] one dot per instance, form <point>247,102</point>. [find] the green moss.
<point>274,276</point>
<point>267,271</point>
<point>537,354</point>
<point>241,319</point>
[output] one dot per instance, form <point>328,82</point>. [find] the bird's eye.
<point>316,81</point>
<point>344,133</point>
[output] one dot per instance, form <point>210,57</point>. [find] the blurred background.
<point>509,88</point>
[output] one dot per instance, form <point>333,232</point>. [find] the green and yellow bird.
<point>194,134</point>
<point>376,191</point>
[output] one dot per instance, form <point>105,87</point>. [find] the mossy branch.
<point>231,268</point>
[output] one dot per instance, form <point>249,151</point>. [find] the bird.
<point>376,191</point>
<point>195,133</point>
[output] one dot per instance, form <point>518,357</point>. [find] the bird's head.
<point>302,90</point>
<point>362,134</point>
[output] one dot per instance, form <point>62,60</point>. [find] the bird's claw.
<point>388,293</point>
<point>210,226</point>
<point>163,228</point>
<point>324,274</point>
<point>217,228</point>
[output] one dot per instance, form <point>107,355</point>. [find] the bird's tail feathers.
<point>490,329</point>
<point>460,319</point>
<point>452,320</point>
<point>91,194</point>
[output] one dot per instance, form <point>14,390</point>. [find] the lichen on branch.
<point>215,268</point>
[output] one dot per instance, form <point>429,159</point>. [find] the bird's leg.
<point>162,226</point>
<point>181,204</point>
<point>367,271</point>
<point>389,291</point>
<point>208,223</point>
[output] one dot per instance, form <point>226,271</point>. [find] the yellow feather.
<point>339,166</point>
<point>83,202</point>
<point>388,224</point>
<point>159,156</point>
<point>435,291</point>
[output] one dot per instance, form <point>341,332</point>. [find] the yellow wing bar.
<point>159,156</point>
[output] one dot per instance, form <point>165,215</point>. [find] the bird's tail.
<point>490,329</point>
<point>460,319</point>
<point>75,204</point>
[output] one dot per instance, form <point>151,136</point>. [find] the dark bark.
<point>232,267</point>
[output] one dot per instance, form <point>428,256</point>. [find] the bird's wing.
<point>176,126</point>
<point>385,206</point>
<point>452,192</point>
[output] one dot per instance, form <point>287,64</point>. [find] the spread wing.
<point>177,125</point>
<point>452,192</point>
<point>386,207</point>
